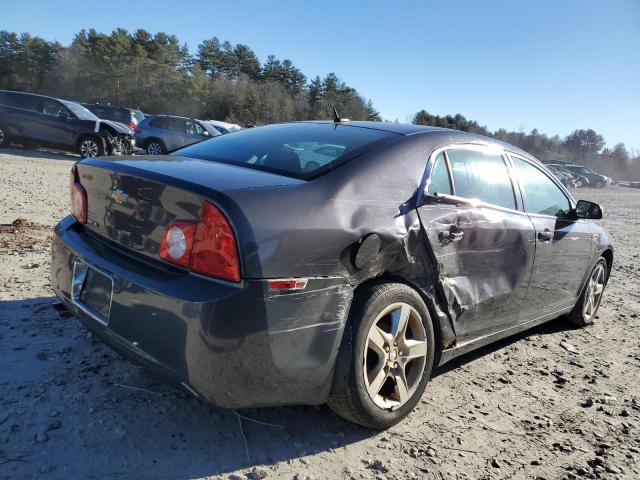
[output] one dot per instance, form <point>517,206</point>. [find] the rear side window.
<point>24,101</point>
<point>158,122</point>
<point>299,150</point>
<point>482,176</point>
<point>542,195</point>
<point>439,179</point>
<point>177,124</point>
<point>10,99</point>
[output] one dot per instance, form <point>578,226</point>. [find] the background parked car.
<point>595,179</point>
<point>36,120</point>
<point>129,116</point>
<point>160,134</point>
<point>565,177</point>
<point>578,180</point>
<point>224,127</point>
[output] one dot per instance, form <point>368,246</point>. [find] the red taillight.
<point>78,196</point>
<point>208,247</point>
<point>214,249</point>
<point>134,127</point>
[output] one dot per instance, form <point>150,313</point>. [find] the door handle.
<point>453,235</point>
<point>546,235</point>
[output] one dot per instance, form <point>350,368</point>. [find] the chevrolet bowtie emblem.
<point>119,196</point>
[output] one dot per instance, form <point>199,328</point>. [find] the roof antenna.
<point>336,117</point>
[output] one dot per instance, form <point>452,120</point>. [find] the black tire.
<point>5,141</point>
<point>156,146</point>
<point>91,146</point>
<point>578,317</point>
<point>349,397</point>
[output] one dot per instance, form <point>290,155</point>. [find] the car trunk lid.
<point>131,200</point>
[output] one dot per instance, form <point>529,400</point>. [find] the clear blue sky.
<point>518,64</point>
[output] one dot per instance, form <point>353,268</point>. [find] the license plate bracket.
<point>92,291</point>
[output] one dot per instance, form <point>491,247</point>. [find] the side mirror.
<point>63,115</point>
<point>588,210</point>
<point>206,134</point>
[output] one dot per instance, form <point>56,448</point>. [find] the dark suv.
<point>129,116</point>
<point>36,120</point>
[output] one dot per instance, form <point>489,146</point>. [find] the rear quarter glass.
<point>298,150</point>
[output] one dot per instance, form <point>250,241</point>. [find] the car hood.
<point>119,127</point>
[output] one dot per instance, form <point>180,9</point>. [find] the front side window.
<point>194,128</point>
<point>542,196</point>
<point>482,176</point>
<point>439,178</point>
<point>53,107</point>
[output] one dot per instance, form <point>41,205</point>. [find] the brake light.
<point>214,249</point>
<point>134,126</point>
<point>78,196</point>
<point>207,247</point>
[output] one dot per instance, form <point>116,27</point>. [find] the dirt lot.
<point>523,408</point>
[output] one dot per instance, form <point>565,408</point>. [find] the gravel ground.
<point>522,408</point>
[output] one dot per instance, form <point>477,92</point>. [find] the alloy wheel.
<point>395,356</point>
<point>89,149</point>
<point>154,149</point>
<point>593,293</point>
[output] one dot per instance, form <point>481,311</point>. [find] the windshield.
<point>299,150</point>
<point>79,111</point>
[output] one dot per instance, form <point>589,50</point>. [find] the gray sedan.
<point>324,262</point>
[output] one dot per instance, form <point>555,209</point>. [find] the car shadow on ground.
<point>124,423</point>
<point>46,154</point>
<point>548,328</point>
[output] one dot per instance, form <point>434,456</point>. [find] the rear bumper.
<point>234,345</point>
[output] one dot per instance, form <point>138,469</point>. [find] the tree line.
<point>223,81</point>
<point>582,146</point>
<point>158,74</point>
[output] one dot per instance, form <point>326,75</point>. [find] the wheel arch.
<point>439,320</point>
<point>94,135</point>
<point>148,140</point>
<point>608,257</point>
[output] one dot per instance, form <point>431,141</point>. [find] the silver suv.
<point>160,134</point>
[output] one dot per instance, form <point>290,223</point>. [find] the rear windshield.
<point>299,150</point>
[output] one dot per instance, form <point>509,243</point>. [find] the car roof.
<point>407,129</point>
<point>102,105</point>
<point>32,94</point>
<point>172,116</point>
<point>400,128</point>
